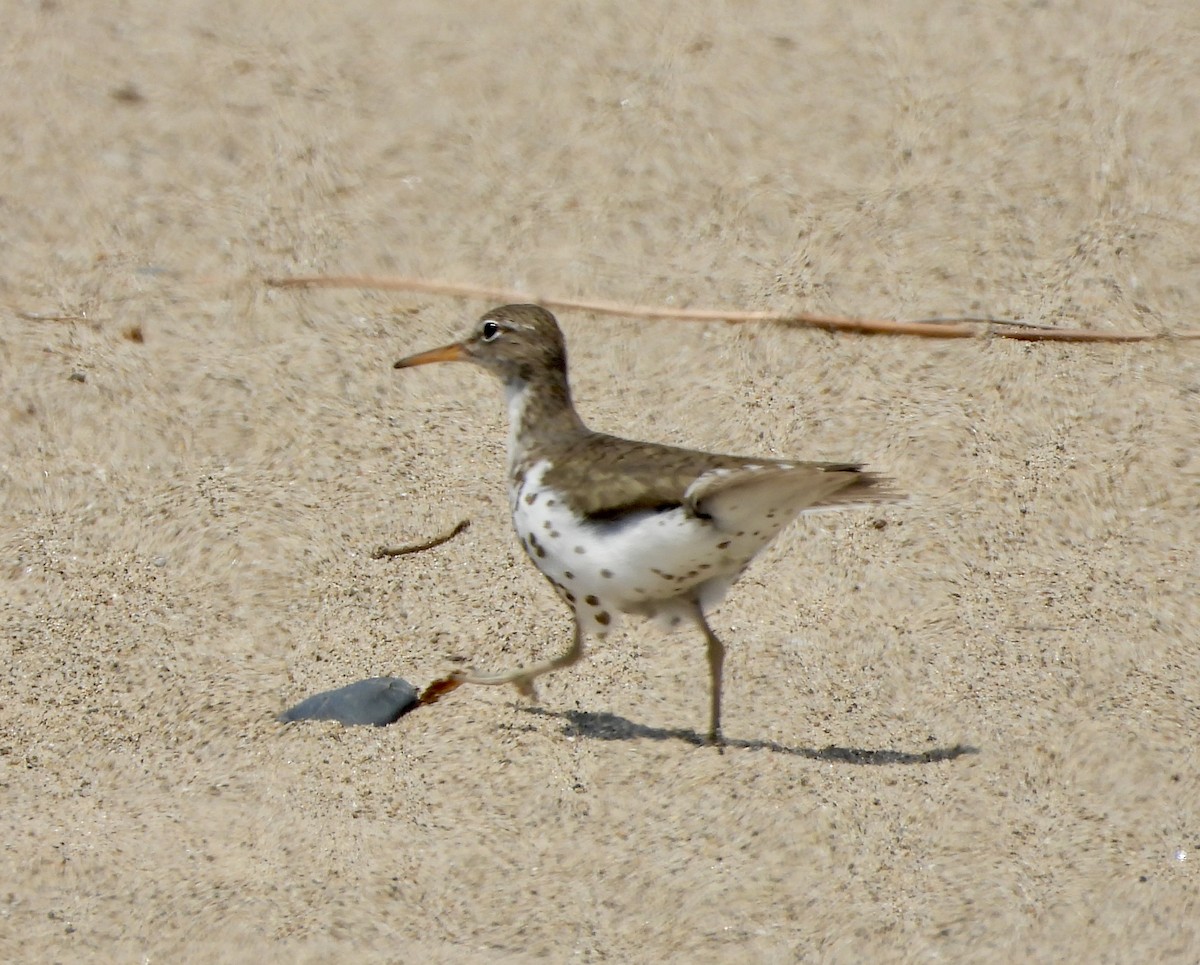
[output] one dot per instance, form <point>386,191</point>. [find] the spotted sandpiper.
<point>619,526</point>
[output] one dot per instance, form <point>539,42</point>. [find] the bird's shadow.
<point>612,727</point>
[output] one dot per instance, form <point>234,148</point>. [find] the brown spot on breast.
<point>568,575</point>
<point>530,498</point>
<point>591,599</point>
<point>580,550</point>
<point>724,544</point>
<point>603,618</point>
<point>607,574</point>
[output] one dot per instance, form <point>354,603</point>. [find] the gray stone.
<point>378,701</point>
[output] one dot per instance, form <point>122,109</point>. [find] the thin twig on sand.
<point>387,552</point>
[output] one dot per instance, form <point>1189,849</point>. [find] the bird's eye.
<point>490,331</point>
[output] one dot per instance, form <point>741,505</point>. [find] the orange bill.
<point>447,353</point>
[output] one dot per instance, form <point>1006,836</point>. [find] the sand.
<point>963,729</point>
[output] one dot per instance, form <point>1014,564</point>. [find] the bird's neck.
<point>540,416</point>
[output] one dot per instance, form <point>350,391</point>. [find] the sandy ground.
<point>194,469</point>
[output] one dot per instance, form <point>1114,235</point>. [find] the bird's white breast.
<point>639,564</point>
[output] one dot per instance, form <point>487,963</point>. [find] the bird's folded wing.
<point>607,481</point>
<point>608,478</point>
<point>784,490</point>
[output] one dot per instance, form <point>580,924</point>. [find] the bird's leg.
<point>716,661</point>
<point>523,677</point>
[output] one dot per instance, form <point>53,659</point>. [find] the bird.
<point>620,526</point>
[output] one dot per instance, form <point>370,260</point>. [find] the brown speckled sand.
<point>194,470</point>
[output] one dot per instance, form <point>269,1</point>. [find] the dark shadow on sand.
<point>611,727</point>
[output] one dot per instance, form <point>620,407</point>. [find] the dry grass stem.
<point>964,327</point>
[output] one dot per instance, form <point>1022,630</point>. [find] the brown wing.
<point>740,498</point>
<point>610,477</point>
